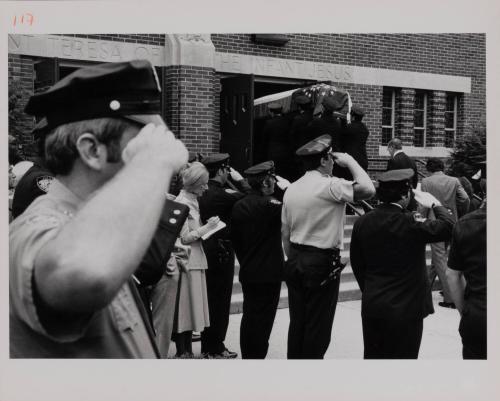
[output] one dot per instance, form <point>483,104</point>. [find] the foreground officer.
<point>468,259</point>
<point>256,234</point>
<point>388,261</point>
<point>218,200</point>
<point>312,233</point>
<point>73,251</point>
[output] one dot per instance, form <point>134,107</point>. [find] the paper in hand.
<point>219,226</point>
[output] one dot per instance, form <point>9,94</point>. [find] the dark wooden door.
<point>236,120</point>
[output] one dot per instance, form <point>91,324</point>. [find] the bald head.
<point>394,145</point>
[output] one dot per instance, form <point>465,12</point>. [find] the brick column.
<point>191,86</point>
<point>435,116</point>
<point>404,115</point>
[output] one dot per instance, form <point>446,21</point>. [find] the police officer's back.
<point>354,138</point>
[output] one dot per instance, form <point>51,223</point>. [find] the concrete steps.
<point>349,290</point>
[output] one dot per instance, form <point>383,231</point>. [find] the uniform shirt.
<point>388,260</point>
<point>314,210</point>
<point>116,331</point>
<point>256,235</point>
<point>468,255</point>
<point>34,183</point>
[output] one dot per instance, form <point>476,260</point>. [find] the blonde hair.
<point>192,174</point>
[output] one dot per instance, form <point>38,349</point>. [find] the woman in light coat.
<point>192,304</point>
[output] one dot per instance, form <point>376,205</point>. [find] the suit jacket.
<point>448,191</point>
<point>400,161</point>
<point>388,260</point>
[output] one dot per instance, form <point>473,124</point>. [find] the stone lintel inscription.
<point>300,69</point>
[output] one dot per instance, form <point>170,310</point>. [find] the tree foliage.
<point>469,153</point>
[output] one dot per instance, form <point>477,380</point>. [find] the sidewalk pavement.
<point>440,339</point>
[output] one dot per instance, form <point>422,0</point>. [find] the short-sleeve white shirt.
<point>314,210</point>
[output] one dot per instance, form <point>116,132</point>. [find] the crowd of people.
<point>122,241</point>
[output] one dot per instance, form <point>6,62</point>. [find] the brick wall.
<point>462,54</point>
<point>142,38</point>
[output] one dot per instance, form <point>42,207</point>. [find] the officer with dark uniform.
<point>354,138</point>
<point>388,260</point>
<point>298,131</point>
<point>256,235</point>
<point>218,200</point>
<point>329,122</point>
<point>37,179</point>
<point>298,127</point>
<point>312,232</point>
<point>276,134</point>
<point>468,260</point>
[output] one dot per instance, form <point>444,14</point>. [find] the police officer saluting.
<point>388,261</point>
<point>73,251</point>
<point>218,200</point>
<point>256,234</point>
<point>312,233</point>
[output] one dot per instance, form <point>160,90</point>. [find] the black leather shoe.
<point>226,354</point>
<point>450,305</point>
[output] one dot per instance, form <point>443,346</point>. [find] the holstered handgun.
<point>337,267</point>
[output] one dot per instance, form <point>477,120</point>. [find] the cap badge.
<point>114,105</point>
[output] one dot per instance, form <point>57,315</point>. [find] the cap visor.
<point>145,119</point>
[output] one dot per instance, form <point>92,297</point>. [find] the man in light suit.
<point>451,194</point>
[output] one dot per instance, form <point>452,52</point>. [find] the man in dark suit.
<point>400,160</point>
<point>256,234</point>
<point>388,260</point>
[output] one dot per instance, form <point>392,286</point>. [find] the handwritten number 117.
<point>24,19</point>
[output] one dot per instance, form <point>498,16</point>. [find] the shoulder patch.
<point>230,191</point>
<point>43,182</point>
<point>275,201</point>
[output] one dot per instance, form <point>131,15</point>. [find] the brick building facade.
<point>426,89</point>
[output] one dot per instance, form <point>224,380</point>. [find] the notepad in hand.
<point>220,226</point>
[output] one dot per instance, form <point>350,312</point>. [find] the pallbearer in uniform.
<point>354,137</point>
<point>276,135</point>
<point>312,233</point>
<point>73,251</point>
<point>256,234</point>
<point>329,122</point>
<point>388,261</point>
<point>218,200</point>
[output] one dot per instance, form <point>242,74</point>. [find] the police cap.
<point>319,145</point>
<point>357,111</point>
<point>331,103</point>
<point>302,99</point>
<point>395,177</point>
<point>127,89</point>
<point>216,161</point>
<point>274,106</point>
<point>261,168</point>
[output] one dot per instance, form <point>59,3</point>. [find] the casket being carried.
<point>315,92</point>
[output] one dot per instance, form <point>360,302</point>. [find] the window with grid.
<point>388,113</point>
<point>420,119</point>
<point>450,120</point>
